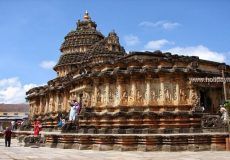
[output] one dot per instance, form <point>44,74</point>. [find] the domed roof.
<point>87,45</point>
<point>83,37</point>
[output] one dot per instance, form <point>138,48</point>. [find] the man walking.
<point>7,134</point>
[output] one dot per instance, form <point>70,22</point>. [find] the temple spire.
<point>86,16</point>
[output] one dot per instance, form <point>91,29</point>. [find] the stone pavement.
<point>16,152</point>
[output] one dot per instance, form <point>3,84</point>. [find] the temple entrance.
<point>205,100</point>
<point>211,98</point>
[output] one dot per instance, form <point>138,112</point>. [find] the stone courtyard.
<point>17,152</point>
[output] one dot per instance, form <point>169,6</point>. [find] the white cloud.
<point>154,45</point>
<point>131,40</point>
<point>201,51</point>
<point>47,64</point>
<point>12,91</point>
<point>167,25</point>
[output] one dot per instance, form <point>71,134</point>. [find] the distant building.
<point>12,112</point>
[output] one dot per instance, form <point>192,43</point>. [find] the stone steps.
<point>141,142</point>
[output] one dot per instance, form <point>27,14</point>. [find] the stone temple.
<point>131,101</point>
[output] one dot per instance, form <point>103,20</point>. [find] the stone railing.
<point>211,122</point>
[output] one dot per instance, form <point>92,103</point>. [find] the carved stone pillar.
<point>40,106</point>
<point>176,91</point>
<point>193,95</point>
<point>106,93</point>
<point>118,95</point>
<point>95,92</point>
<point>147,97</point>
<point>132,92</point>
<point>59,101</point>
<point>161,91</point>
<point>66,101</point>
<point>47,105</point>
<point>183,91</point>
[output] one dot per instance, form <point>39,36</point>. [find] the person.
<point>12,125</point>
<point>73,110</point>
<point>37,128</point>
<point>61,122</point>
<point>224,116</point>
<point>7,134</point>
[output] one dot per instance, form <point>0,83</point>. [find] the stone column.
<point>64,103</point>
<point>161,92</point>
<point>106,92</point>
<point>67,99</point>
<point>56,101</point>
<point>119,83</point>
<point>47,105</point>
<point>177,91</point>
<point>147,98</point>
<point>95,92</point>
<point>40,106</point>
<point>132,94</point>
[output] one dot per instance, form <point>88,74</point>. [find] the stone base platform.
<point>140,142</point>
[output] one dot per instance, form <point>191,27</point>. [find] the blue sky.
<point>31,33</point>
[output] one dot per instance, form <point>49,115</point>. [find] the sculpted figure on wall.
<point>86,99</point>
<point>98,96</point>
<point>139,97</point>
<point>154,95</point>
<point>183,95</point>
<point>130,96</point>
<point>124,97</point>
<point>194,98</point>
<point>167,95</point>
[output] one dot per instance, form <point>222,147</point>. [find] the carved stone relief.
<point>167,93</point>
<point>98,95</point>
<point>131,92</point>
<point>104,94</point>
<point>124,95</point>
<point>140,92</point>
<point>174,92</point>
<point>111,94</point>
<point>183,93</point>
<point>194,98</point>
<point>86,99</point>
<point>155,92</point>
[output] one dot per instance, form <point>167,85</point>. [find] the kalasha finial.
<point>86,16</point>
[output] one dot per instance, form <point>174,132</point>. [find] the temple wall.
<point>228,90</point>
<point>208,68</point>
<point>146,91</point>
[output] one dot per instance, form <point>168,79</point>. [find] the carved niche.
<point>111,94</point>
<point>140,92</point>
<point>174,92</point>
<point>155,92</point>
<point>86,99</point>
<point>131,92</point>
<point>124,95</point>
<point>98,95</point>
<point>194,98</point>
<point>167,93</point>
<point>104,94</point>
<point>183,95</point>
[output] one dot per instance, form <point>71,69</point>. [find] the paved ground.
<point>17,152</point>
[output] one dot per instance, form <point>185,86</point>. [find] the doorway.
<point>205,100</point>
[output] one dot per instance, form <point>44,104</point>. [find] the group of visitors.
<point>75,109</point>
